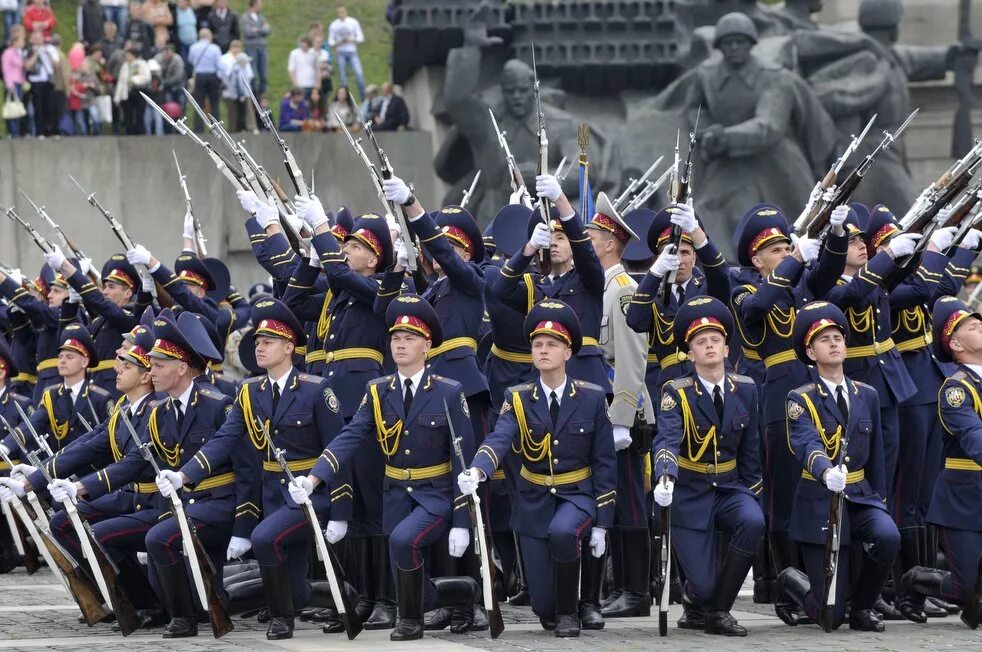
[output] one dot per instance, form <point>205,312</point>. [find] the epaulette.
<point>524,387</point>
<point>253,380</point>
<point>22,399</point>
<point>309,378</point>
<point>585,385</point>
<point>623,279</point>
<point>680,383</point>
<point>807,387</point>
<point>160,402</point>
<point>382,380</point>
<point>740,378</point>
<point>214,395</point>
<point>958,375</point>
<point>445,381</point>
<point>860,383</point>
<point>95,389</point>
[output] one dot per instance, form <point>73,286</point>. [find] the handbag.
<point>13,108</point>
<point>194,74</point>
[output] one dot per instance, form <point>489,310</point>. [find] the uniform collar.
<point>975,369</point>
<point>184,399</point>
<point>417,379</point>
<point>281,382</point>
<point>613,271</point>
<point>76,390</point>
<point>709,386</point>
<point>135,406</point>
<point>559,390</point>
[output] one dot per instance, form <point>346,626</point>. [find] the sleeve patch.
<point>667,402</point>
<point>625,302</point>
<point>463,406</point>
<point>795,410</point>
<point>332,400</point>
<point>505,407</point>
<point>955,396</point>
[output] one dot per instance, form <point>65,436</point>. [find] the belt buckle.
<point>877,348</point>
<point>329,357</point>
<point>710,468</point>
<point>549,481</point>
<point>928,337</point>
<point>407,474</point>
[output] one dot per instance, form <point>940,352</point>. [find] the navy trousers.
<point>962,549</point>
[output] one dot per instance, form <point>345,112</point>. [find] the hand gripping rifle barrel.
<point>387,172</point>
<point>199,236</point>
<point>681,192</point>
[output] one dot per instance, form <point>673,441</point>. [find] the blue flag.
<point>586,196</point>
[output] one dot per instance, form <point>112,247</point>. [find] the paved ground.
<point>36,614</point>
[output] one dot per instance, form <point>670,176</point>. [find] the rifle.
<point>643,195</point>
<point>963,213</point>
<point>342,603</point>
<point>543,160</point>
<point>378,175</point>
<point>845,190</point>
<point>199,236</point>
<point>104,570</point>
<point>832,544</point>
<point>519,192</point>
<point>39,239</point>
<point>470,191</point>
<point>943,191</point>
<point>481,539</point>
<point>158,292</point>
<point>202,573</point>
<point>292,169</point>
<point>812,207</point>
<point>681,192</point>
<point>666,568</point>
<point>634,184</point>
<point>68,245</point>
<point>62,565</point>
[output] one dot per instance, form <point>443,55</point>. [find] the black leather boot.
<point>473,618</point>
<point>784,554</point>
<point>443,565</point>
<point>383,616</point>
<point>521,597</point>
<point>866,591</point>
<point>359,564</point>
<point>279,601</point>
<point>693,616</point>
<point>180,603</point>
<point>635,600</point>
<point>728,583</point>
<point>410,589</point>
<point>132,581</point>
<point>921,582</point>
<point>910,605</point>
<point>591,577</point>
<point>792,589</point>
<point>567,583</point>
<point>929,547</point>
<point>616,554</point>
<point>763,573</point>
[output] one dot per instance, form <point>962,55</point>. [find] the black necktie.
<point>680,294</point>
<point>407,399</point>
<point>553,407</point>
<point>718,402</point>
<point>179,413</point>
<point>840,399</point>
<point>276,396</point>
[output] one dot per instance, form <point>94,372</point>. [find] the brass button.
<point>139,507</point>
<point>407,474</point>
<point>710,468</point>
<point>549,481</point>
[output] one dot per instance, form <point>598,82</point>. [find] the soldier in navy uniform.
<point>16,327</point>
<point>451,238</point>
<point>300,414</point>
<point>407,414</point>
<point>56,417</point>
<point>110,307</point>
<point>955,508</point>
<point>269,243</point>
<point>120,498</point>
<point>568,477</point>
<point>834,431</point>
<point>219,505</point>
<point>707,446</point>
<point>41,302</point>
<point>348,349</point>
<point>652,313</point>
<point>780,278</point>
<point>8,369</point>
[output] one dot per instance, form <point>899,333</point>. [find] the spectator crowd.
<point>127,49</point>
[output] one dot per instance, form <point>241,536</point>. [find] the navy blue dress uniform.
<point>299,414</point>
<point>712,452</point>
<point>821,437</point>
<point>218,505</point>
<point>44,321</point>
<point>420,500</point>
<point>648,313</point>
<point>56,417</point>
<point>110,320</point>
<point>568,470</point>
<point>873,357</point>
<point>955,507</point>
<point>764,309</point>
<point>638,258</point>
<point>582,287</point>
<point>15,325</point>
<point>8,399</point>
<point>216,356</point>
<point>208,273</point>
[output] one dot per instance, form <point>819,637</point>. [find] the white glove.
<point>396,190</point>
<point>390,221</point>
<point>85,266</point>
<point>141,558</point>
<point>249,201</point>
<point>809,247</point>
<point>21,471</point>
<point>300,489</point>
<point>267,214</point>
<point>168,482</point>
<point>6,451</point>
<point>942,238</point>
<point>188,231</point>
<point>64,491</point>
<point>16,276</point>
<point>55,258</point>
<point>314,260</point>
<point>666,263</point>
<point>146,280</point>
<point>598,542</point>
<point>663,493</point>
<point>73,296</point>
<point>839,215</point>
<point>547,186</point>
<point>138,255</point>
<point>972,239</point>
<point>295,222</point>
<point>541,236</point>
<point>237,546</point>
<point>468,481</point>
<point>835,478</point>
<point>903,244</point>
<point>684,217</point>
<point>15,489</point>
<point>335,531</point>
<point>460,538</point>
<point>311,211</point>
<point>829,194</point>
<point>402,256</point>
<point>622,437</point>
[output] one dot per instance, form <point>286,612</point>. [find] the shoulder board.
<point>160,402</point>
<point>525,387</point>
<point>680,383</point>
<point>863,385</point>
<point>95,389</point>
<point>253,380</point>
<point>445,381</point>
<point>22,399</point>
<point>212,394</point>
<point>585,385</point>
<point>958,375</point>
<point>381,380</point>
<point>740,378</point>
<point>309,378</point>
<point>804,388</point>
<point>624,280</point>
